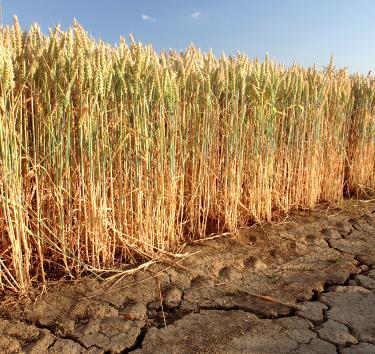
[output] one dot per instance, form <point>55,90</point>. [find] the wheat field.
<point>113,154</point>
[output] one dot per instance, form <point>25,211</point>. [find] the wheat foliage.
<point>109,154</point>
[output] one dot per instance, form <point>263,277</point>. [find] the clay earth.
<point>303,285</point>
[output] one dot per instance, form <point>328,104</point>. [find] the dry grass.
<point>109,154</point>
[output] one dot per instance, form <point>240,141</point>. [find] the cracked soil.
<point>306,285</point>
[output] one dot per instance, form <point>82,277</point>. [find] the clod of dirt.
<point>230,274</point>
<point>346,289</point>
<point>44,341</point>
<point>358,243</point>
<point>362,348</point>
<point>14,334</point>
<point>65,328</point>
<point>234,332</point>
<point>368,259</point>
<point>94,339</point>
<point>66,346</point>
<point>154,306</point>
<point>335,332</point>
<point>315,240</point>
<point>200,281</point>
<point>178,278</point>
<point>353,307</point>
<point>366,282</point>
<point>312,310</point>
<point>299,329</point>
<point>19,330</point>
<point>360,224</point>
<point>9,344</point>
<point>87,308</point>
<point>254,262</point>
<point>172,297</point>
<point>316,346</point>
<point>135,312</point>
<point>344,227</point>
<point>331,234</point>
<point>114,334</point>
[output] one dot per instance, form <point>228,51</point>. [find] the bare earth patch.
<point>306,285</point>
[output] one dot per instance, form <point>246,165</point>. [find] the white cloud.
<point>148,18</point>
<point>196,14</point>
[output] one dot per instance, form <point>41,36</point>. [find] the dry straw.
<point>109,154</point>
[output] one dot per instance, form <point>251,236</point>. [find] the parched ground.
<point>316,270</point>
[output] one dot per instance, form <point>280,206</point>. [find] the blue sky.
<point>307,31</point>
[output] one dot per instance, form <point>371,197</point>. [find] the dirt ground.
<point>304,285</point>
